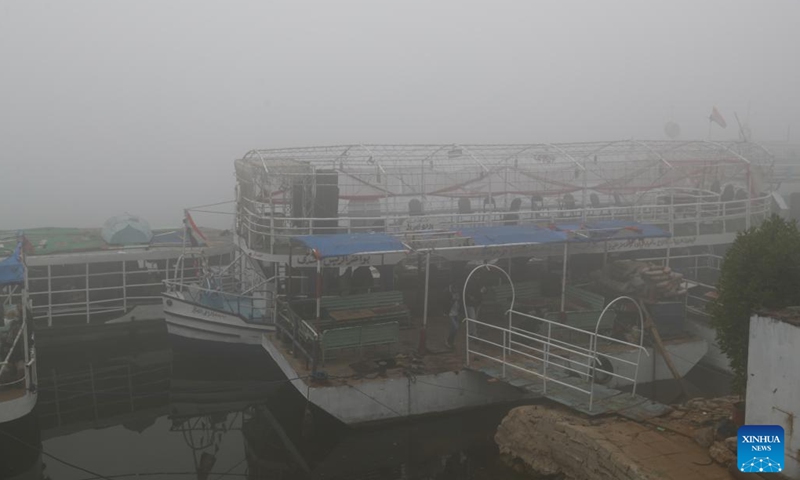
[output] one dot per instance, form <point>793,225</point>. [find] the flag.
<point>717,117</point>
<point>191,233</point>
<point>27,246</point>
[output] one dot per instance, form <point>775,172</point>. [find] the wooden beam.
<point>659,345</point>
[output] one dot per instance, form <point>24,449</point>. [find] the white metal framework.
<point>432,188</point>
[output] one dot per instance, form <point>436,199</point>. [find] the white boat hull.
<point>685,354</point>
<point>13,407</point>
<point>714,358</point>
<point>196,322</point>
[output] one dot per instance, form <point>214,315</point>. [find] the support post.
<point>88,306</point>
<point>422,333</point>
<point>564,278</point>
<point>749,197</point>
<point>319,285</point>
<point>124,289</point>
<point>49,296</point>
<point>24,301</point>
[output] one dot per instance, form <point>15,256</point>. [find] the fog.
<point>142,106</point>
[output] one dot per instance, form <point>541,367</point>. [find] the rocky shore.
<point>695,440</point>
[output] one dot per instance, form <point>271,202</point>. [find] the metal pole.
<point>24,301</point>
<point>564,278</point>
<point>49,296</point>
<point>86,278</point>
<point>125,289</point>
<point>422,333</point>
<point>749,197</point>
<point>319,285</point>
<point>583,194</point>
<point>289,286</point>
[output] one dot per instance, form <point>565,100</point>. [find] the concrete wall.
<point>773,382</point>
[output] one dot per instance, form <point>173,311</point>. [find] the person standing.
<point>454,314</point>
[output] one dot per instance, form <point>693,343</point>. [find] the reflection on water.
<point>159,410</point>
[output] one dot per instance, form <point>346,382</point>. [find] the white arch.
<point>488,266</point>
<point>593,348</point>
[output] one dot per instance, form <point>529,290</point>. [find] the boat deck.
<point>350,366</point>
<point>403,360</point>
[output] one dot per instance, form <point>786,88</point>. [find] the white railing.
<point>29,358</point>
<point>85,294</point>
<point>552,346</point>
<point>264,232</point>
<point>546,355</point>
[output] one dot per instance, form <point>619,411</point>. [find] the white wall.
<point>773,382</point>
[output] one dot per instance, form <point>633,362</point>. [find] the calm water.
<point>139,405</point>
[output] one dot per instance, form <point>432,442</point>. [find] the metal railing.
<point>302,335</point>
<point>524,351</point>
<point>265,232</point>
<point>29,372</point>
<point>88,294</point>
<point>518,353</point>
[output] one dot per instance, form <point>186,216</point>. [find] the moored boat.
<point>87,276</point>
<point>18,388</point>
<point>344,237</point>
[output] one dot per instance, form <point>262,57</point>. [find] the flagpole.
<point>709,128</point>
<point>183,248</point>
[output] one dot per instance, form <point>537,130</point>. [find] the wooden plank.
<point>663,351</point>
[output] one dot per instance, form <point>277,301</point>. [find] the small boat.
<point>222,306</point>
<point>17,351</point>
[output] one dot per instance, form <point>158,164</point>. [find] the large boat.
<point>18,389</point>
<point>355,243</point>
<point>87,276</point>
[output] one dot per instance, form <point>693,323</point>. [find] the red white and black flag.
<point>192,234</point>
<point>717,118</point>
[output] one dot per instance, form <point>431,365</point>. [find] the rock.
<point>677,414</point>
<point>720,453</point>
<point>731,443</point>
<point>726,428</point>
<point>704,436</point>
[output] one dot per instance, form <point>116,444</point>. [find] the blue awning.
<point>343,244</point>
<point>603,230</point>
<point>515,234</point>
<point>12,271</point>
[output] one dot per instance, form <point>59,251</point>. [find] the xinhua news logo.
<point>760,448</point>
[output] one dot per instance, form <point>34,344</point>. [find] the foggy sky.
<point>142,106</point>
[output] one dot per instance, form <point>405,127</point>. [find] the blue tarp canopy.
<point>343,244</point>
<point>12,271</point>
<point>610,230</point>
<point>516,234</point>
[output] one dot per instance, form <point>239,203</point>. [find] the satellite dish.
<point>673,130</point>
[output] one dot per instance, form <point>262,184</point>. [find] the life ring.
<point>603,368</point>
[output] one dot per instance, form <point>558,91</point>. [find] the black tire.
<point>603,370</point>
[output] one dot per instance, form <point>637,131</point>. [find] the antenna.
<point>744,128</point>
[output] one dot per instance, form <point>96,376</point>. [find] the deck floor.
<point>606,400</point>
<point>351,366</point>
